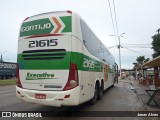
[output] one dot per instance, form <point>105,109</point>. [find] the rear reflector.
<point>66,96</point>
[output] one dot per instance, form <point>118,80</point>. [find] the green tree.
<point>156,45</point>
<point>140,60</point>
<point>138,65</point>
<point>146,60</point>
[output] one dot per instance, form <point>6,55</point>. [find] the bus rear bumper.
<point>53,98</point>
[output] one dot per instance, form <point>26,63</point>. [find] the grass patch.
<point>7,82</point>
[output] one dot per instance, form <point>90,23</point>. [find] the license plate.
<point>40,96</point>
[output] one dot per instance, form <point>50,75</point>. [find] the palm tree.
<point>140,59</point>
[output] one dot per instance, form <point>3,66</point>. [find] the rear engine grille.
<point>48,54</point>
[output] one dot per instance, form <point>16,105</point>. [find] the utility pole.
<point>119,48</point>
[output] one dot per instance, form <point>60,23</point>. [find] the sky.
<point>138,19</point>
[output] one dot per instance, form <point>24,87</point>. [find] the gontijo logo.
<point>35,76</point>
<point>37,27</point>
<point>47,26</point>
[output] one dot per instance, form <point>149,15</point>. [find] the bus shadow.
<point>82,110</point>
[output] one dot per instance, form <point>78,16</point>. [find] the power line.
<point>139,47</point>
<point>118,36</point>
<point>115,15</point>
<point>130,50</point>
<point>133,46</point>
<point>137,52</point>
<point>112,18</point>
<point>112,46</point>
<point>136,44</point>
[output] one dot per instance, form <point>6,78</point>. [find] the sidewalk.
<point>142,94</point>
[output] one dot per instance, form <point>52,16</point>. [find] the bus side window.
<point>86,36</point>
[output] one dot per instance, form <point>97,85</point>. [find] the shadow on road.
<point>84,109</point>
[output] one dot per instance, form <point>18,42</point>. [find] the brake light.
<point>72,78</point>
<point>26,18</point>
<point>17,77</point>
<point>69,11</point>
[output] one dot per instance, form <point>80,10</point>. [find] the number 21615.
<point>43,43</point>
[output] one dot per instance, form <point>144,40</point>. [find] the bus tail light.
<point>69,11</point>
<point>26,18</point>
<point>72,78</point>
<point>17,77</point>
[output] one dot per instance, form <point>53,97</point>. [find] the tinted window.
<point>94,46</point>
<point>86,35</point>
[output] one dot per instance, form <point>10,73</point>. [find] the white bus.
<point>61,62</point>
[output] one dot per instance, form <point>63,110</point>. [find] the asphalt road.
<point>118,98</point>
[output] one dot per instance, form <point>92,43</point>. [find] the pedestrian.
<point>134,75</point>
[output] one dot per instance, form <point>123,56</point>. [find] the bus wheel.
<point>94,99</point>
<point>100,91</point>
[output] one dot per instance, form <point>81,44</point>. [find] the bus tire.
<point>94,99</point>
<point>100,91</point>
